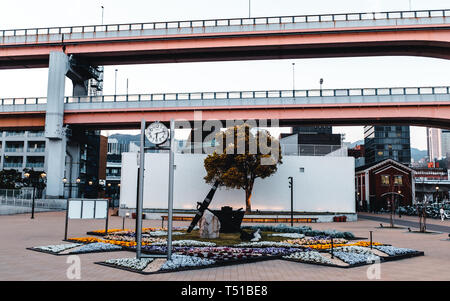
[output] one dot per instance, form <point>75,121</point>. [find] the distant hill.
<point>125,138</point>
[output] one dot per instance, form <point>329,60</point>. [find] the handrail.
<point>227,22</point>
<point>237,95</point>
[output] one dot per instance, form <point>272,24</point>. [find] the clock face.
<point>157,133</point>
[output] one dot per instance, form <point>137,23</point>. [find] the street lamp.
<point>34,181</point>
<point>115,82</point>
<point>437,193</point>
<point>293,77</point>
<point>103,10</point>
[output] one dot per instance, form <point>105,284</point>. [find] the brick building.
<point>376,183</point>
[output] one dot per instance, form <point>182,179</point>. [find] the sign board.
<point>87,209</point>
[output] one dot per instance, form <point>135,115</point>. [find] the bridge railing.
<point>228,22</point>
<point>237,95</point>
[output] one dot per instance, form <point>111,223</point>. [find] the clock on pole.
<point>157,133</point>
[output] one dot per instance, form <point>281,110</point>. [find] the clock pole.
<point>170,201</point>
<point>140,199</point>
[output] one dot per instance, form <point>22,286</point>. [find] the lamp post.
<point>293,78</point>
<point>103,10</point>
<point>70,185</point>
<point>34,181</point>
<point>115,82</point>
<point>437,194</point>
<point>321,83</point>
<point>291,186</point>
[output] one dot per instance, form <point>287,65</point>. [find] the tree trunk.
<point>248,204</point>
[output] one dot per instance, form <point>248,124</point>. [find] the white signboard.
<point>87,209</point>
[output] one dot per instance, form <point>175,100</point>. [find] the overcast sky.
<point>223,76</point>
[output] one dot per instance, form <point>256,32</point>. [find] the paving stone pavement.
<point>18,232</point>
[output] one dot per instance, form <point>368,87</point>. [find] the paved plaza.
<point>19,232</point>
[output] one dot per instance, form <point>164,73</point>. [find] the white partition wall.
<point>321,184</point>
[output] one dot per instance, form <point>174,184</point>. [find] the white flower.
<point>392,251</point>
<point>355,258</point>
<point>98,246</point>
<point>133,263</point>
<point>164,233</point>
<point>181,261</point>
<point>309,256</point>
<point>354,249</point>
<point>263,244</point>
<point>289,235</point>
<point>58,248</point>
<point>188,243</point>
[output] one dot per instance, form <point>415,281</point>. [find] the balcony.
<point>13,165</point>
<point>36,134</point>
<point>13,149</point>
<point>36,149</point>
<point>15,134</point>
<point>35,165</point>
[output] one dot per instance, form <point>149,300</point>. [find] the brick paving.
<point>19,232</point>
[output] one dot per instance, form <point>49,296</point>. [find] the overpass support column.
<point>54,130</point>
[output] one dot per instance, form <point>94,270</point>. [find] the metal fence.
<point>441,90</point>
<point>228,22</point>
<point>24,198</point>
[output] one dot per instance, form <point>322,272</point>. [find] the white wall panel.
<point>326,185</point>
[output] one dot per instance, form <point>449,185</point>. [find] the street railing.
<point>237,95</point>
<point>24,198</point>
<point>228,22</point>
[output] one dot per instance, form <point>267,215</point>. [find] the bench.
<point>249,219</point>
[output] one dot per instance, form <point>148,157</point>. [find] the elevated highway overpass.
<point>423,106</point>
<point>418,33</point>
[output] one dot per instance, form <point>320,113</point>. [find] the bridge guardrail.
<point>237,95</point>
<point>228,22</point>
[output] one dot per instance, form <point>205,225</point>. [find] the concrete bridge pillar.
<point>54,130</point>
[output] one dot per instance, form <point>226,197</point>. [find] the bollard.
<point>370,239</point>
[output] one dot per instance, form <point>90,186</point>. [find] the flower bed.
<point>221,254</point>
<point>309,257</point>
<point>97,247</point>
<point>355,258</point>
<point>56,249</point>
<point>262,244</point>
<point>130,263</point>
<point>308,231</point>
<point>164,233</point>
<point>318,240</point>
<point>145,239</point>
<point>393,251</point>
<point>188,243</point>
<point>183,261</point>
<point>354,249</point>
<point>289,235</point>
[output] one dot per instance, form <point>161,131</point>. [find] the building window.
<point>398,180</point>
<point>384,180</point>
<point>302,169</point>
